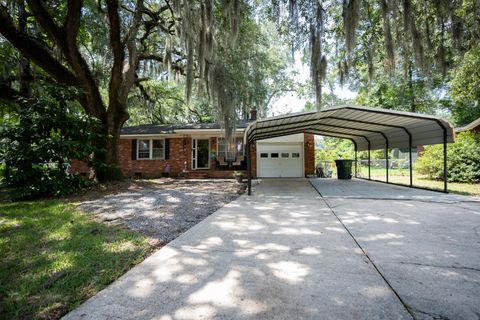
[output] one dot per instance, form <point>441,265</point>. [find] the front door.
<point>201,154</point>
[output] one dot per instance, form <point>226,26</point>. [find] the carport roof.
<point>366,127</point>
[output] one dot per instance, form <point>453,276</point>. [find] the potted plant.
<point>238,175</point>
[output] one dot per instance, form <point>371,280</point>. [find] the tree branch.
<point>35,52</point>
<point>72,22</point>
<point>91,100</point>
<point>117,51</point>
<point>176,65</point>
<point>46,22</point>
<point>9,94</point>
<point>130,73</point>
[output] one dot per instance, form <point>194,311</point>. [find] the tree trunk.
<point>24,64</point>
<point>24,165</point>
<point>106,163</point>
<point>75,71</point>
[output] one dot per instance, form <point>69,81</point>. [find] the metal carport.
<point>368,129</point>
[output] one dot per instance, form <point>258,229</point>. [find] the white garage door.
<point>279,160</point>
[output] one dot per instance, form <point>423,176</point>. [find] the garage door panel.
<point>280,160</point>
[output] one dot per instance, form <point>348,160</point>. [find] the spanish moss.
<point>351,16</point>
<point>388,39</point>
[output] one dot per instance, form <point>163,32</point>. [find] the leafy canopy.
<point>463,159</point>
<point>38,143</point>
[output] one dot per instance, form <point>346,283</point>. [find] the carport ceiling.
<point>366,127</point>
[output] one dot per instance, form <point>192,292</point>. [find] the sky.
<point>291,102</point>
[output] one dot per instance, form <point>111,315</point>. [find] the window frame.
<point>194,155</point>
<point>150,149</point>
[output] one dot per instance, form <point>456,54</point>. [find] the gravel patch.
<point>163,209</point>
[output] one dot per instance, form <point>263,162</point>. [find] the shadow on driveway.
<point>283,254</point>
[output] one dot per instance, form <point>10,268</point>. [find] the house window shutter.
<point>134,149</point>
<point>167,149</point>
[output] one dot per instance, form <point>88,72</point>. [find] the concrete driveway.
<point>288,253</point>
<point>426,244</point>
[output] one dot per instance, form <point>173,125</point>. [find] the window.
<point>230,151</point>
<point>263,155</point>
<point>295,155</point>
<point>151,149</point>
<point>285,155</point>
<point>143,149</point>
<point>274,155</point>
<point>158,149</point>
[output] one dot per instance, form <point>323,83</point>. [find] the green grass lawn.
<point>401,176</point>
<point>54,257</point>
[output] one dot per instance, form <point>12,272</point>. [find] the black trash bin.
<point>344,168</point>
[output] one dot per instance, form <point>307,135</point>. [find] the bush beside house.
<point>463,159</point>
<point>38,144</point>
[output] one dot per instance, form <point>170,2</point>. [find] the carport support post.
<point>410,159</point>
<point>368,160</point>
<point>386,158</point>
<point>445,189</point>
<point>356,158</point>
<point>249,168</point>
<point>356,161</point>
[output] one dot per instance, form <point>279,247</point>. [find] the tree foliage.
<point>125,52</point>
<point>465,87</point>
<point>63,40</point>
<point>463,159</point>
<point>254,69</point>
<point>331,149</point>
<point>407,43</point>
<point>38,143</point>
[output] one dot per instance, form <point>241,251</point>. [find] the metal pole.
<point>445,189</point>
<point>356,160</point>
<point>369,177</point>
<point>249,169</point>
<point>410,159</point>
<point>386,157</point>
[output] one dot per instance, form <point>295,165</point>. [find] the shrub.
<point>37,144</point>
<point>334,148</point>
<point>2,172</point>
<point>463,159</point>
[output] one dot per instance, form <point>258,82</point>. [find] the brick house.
<point>201,151</point>
<point>473,126</point>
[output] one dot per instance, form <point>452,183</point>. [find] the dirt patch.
<point>160,209</point>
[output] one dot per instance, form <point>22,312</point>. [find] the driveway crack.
<point>434,316</point>
<point>438,266</point>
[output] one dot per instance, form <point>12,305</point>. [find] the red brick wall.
<point>82,168</point>
<point>181,152</point>
<point>179,148</point>
<point>309,153</point>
